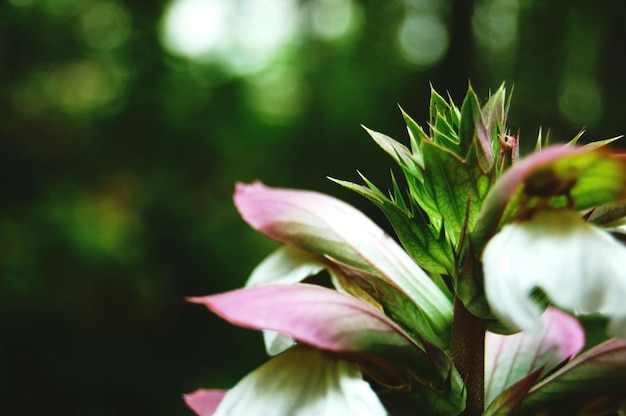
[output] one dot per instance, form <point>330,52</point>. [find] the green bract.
<point>463,183</point>
<point>448,173</point>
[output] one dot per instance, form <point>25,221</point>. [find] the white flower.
<point>580,267</point>
<point>302,381</point>
<point>336,232</point>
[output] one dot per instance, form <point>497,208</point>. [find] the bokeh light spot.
<point>82,87</point>
<point>260,33</point>
<point>275,96</point>
<point>105,25</point>
<point>580,99</point>
<point>244,37</point>
<point>422,39</point>
<point>333,19</point>
<point>494,25</point>
<point>100,224</point>
<point>194,28</point>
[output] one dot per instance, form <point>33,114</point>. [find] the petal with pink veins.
<point>324,225</point>
<point>311,314</point>
<point>510,358</point>
<point>591,384</point>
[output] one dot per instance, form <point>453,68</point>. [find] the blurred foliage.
<point>122,135</point>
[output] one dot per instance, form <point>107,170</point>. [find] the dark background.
<point>119,152</point>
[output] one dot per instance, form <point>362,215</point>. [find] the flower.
<point>485,237</point>
<point>511,358</point>
<point>579,266</point>
<point>300,381</point>
<point>323,233</point>
<point>343,239</point>
<point>541,373</point>
<point>338,335</point>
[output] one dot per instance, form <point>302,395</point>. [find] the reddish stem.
<point>468,354</point>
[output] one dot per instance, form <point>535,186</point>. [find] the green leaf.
<point>470,120</point>
<point>495,111</point>
<point>438,107</point>
<point>601,143</point>
<point>591,384</point>
<point>469,286</point>
<point>422,197</point>
<point>575,139</point>
<point>417,136</point>
<point>454,186</point>
<point>455,114</point>
<point>608,213</point>
<point>445,135</point>
<point>421,240</point>
<point>402,309</point>
<point>400,153</point>
<point>506,403</point>
<point>492,133</point>
<point>427,401</point>
<point>412,169</point>
<point>397,197</point>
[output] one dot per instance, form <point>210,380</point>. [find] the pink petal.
<point>324,225</point>
<point>591,177</point>
<point>509,358</point>
<point>591,384</point>
<point>321,224</point>
<point>204,401</point>
<point>494,206</point>
<point>312,314</point>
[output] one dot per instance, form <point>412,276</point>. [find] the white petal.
<point>509,358</point>
<point>302,381</point>
<point>287,265</point>
<point>275,342</point>
<point>506,286</point>
<point>579,266</point>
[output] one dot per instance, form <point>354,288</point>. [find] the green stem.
<point>468,354</point>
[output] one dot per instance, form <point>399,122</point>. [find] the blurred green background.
<point>124,126</point>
